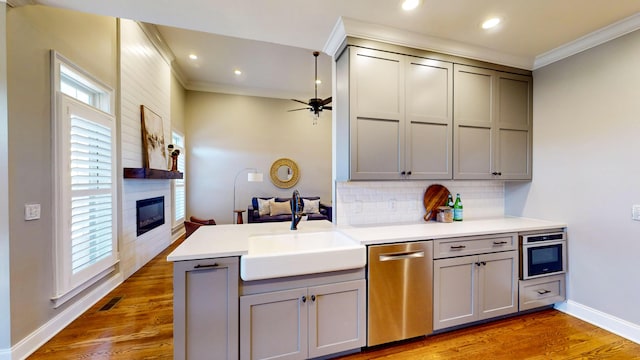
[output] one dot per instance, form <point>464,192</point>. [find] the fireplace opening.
<point>149,214</point>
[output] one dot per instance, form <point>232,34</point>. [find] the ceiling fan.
<point>315,105</point>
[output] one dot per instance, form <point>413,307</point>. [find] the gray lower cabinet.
<point>474,287</point>
<point>542,291</point>
<point>205,309</point>
<point>492,132</point>
<point>303,323</point>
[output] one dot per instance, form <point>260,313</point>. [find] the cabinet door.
<point>337,318</point>
<point>429,119</point>
<point>497,284</point>
<point>454,291</point>
<point>473,113</point>
<point>205,309</point>
<point>514,126</point>
<point>274,325</point>
<point>376,82</point>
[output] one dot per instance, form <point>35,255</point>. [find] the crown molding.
<point>17,3</point>
<point>589,41</point>
<point>336,38</point>
<point>375,32</point>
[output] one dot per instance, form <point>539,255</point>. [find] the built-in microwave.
<point>543,254</point>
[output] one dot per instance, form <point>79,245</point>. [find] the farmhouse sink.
<point>300,253</point>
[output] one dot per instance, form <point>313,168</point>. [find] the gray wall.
<point>585,171</point>
<point>227,133</point>
<point>5,306</point>
<point>32,31</point>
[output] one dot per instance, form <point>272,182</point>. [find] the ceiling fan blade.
<point>326,108</point>
<point>299,109</point>
<point>326,101</point>
<point>300,101</point>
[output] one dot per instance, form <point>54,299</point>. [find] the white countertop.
<point>232,240</point>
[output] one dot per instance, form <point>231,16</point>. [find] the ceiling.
<point>272,41</point>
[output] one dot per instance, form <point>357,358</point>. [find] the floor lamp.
<point>253,176</point>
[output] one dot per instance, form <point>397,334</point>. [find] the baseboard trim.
<point>36,339</point>
<point>600,319</point>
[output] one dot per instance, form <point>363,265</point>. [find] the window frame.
<point>176,223</point>
<point>67,284</point>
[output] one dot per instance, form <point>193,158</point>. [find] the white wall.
<point>227,133</point>
<point>145,80</point>
<point>586,136</point>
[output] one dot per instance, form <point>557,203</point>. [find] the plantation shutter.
<point>92,207</point>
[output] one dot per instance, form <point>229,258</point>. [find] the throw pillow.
<point>311,206</point>
<point>264,207</point>
<point>280,208</point>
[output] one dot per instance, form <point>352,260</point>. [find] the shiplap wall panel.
<point>145,80</point>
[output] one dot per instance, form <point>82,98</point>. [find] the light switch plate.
<point>635,212</point>
<point>31,211</point>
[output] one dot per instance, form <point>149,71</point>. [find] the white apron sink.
<point>300,253</point>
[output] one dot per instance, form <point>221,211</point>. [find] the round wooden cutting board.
<point>435,195</point>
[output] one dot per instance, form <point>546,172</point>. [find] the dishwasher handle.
<point>401,256</point>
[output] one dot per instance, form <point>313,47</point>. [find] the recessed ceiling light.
<point>237,72</point>
<point>409,5</point>
<point>493,22</point>
<point>318,81</point>
<point>193,56</point>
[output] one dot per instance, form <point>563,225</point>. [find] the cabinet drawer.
<point>445,248</point>
<point>541,291</point>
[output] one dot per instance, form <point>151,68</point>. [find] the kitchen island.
<point>217,312</point>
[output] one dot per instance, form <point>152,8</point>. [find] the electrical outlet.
<point>31,211</point>
<point>393,206</point>
<point>635,212</point>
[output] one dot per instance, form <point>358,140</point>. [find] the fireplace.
<point>149,214</point>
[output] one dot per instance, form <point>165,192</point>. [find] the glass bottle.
<point>450,201</point>
<point>457,209</point>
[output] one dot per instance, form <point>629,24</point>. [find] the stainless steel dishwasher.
<point>400,301</point>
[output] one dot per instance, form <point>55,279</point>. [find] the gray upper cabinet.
<point>428,113</point>
<point>396,110</point>
<point>492,124</point>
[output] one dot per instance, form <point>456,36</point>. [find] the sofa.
<point>260,209</point>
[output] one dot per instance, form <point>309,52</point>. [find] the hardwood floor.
<point>140,326</point>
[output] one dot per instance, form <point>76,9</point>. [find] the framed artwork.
<point>155,156</point>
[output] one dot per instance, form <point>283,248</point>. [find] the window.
<point>179,195</point>
<point>85,180</point>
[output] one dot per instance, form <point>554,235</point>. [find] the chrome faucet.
<point>297,207</point>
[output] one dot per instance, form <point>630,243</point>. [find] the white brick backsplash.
<point>389,202</point>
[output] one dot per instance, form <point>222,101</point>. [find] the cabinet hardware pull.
<point>500,242</point>
<point>477,264</point>
<point>313,298</point>
<point>409,172</point>
<point>205,266</point>
<point>304,299</point>
<point>483,263</point>
<point>403,173</point>
<point>457,247</point>
<point>543,291</point>
<point>496,173</point>
<point>401,256</point>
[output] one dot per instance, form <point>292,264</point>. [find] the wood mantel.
<point>147,173</point>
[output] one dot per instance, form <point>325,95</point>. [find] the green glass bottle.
<point>457,209</point>
<point>450,201</point>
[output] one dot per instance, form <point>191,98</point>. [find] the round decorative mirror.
<point>284,173</point>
